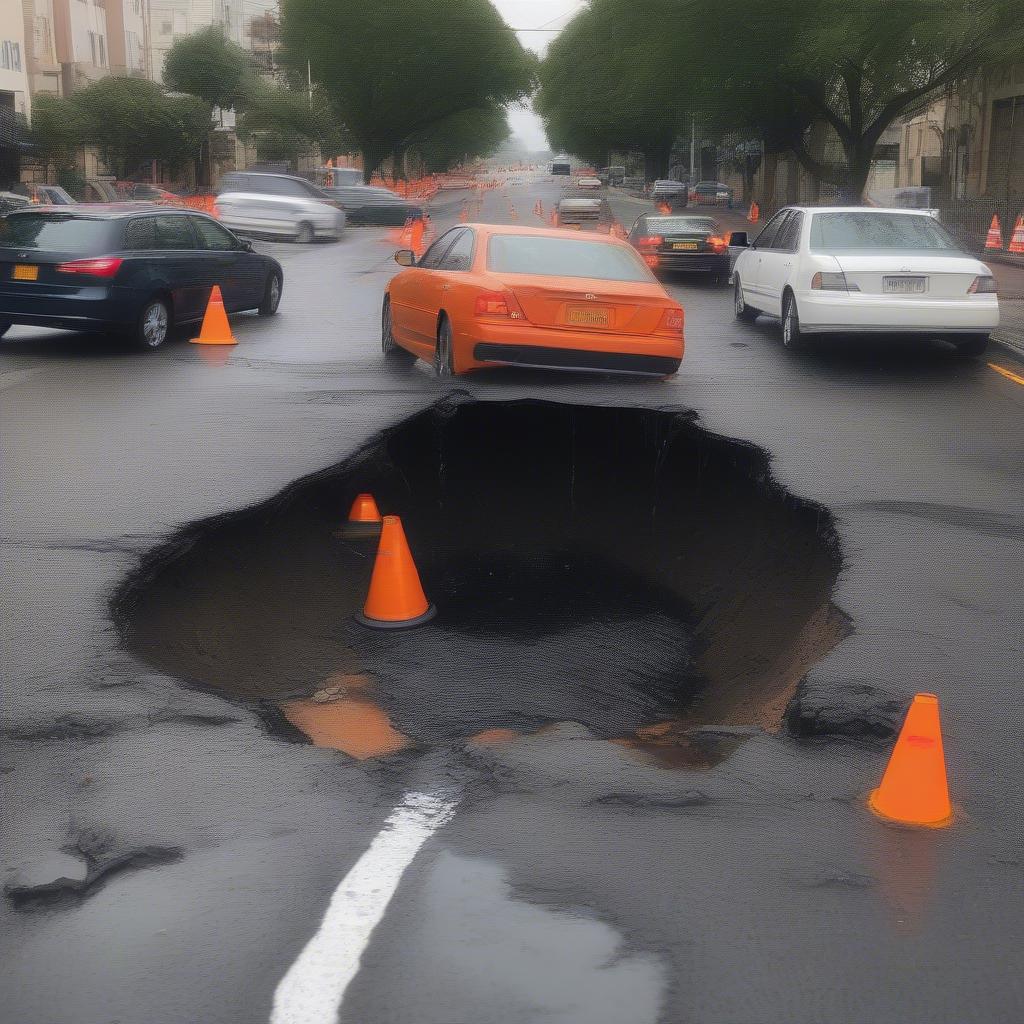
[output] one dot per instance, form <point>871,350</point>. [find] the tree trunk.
<point>373,154</point>
<point>858,158</point>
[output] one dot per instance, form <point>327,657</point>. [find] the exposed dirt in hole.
<point>616,567</point>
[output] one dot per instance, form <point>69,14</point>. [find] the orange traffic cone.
<point>554,218</point>
<point>417,235</point>
<point>463,214</point>
<point>215,330</point>
<point>994,239</point>
<point>913,790</point>
<point>364,510</point>
<point>406,236</point>
<point>755,213</point>
<point>396,599</point>
<point>1017,241</point>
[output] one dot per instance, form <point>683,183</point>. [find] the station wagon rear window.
<point>855,229</point>
<point>54,231</point>
<point>564,257</point>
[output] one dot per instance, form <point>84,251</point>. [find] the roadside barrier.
<point>994,238</point>
<point>395,599</point>
<point>914,790</point>
<point>1017,240</point>
<point>215,330</point>
<point>364,510</point>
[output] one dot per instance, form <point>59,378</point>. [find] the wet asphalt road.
<point>575,882</point>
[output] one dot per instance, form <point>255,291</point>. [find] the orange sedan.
<point>495,295</point>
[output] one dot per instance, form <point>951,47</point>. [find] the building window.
<point>10,55</point>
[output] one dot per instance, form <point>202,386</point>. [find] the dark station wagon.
<point>130,268</point>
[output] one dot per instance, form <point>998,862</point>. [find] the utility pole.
<point>309,82</point>
<point>693,146</point>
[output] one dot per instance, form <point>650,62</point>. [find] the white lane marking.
<point>312,990</point>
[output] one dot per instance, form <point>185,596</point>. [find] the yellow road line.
<point>1008,374</point>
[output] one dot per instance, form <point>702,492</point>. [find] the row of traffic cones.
<point>395,599</point>
<point>994,238</point>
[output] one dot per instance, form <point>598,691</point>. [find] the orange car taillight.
<point>492,304</point>
<point>104,266</point>
<point>648,241</point>
<point>672,320</point>
<point>718,244</point>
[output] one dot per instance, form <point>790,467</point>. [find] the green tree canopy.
<point>58,129</point>
<point>459,137</point>
<point>132,121</point>
<point>207,65</point>
<point>609,83</point>
<point>392,68</point>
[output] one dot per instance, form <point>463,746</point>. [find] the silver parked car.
<point>257,203</point>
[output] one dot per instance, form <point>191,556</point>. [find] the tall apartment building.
<point>80,32</point>
<point>15,98</point>
<point>245,22</point>
<point>41,47</point>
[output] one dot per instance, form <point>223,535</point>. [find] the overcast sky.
<point>550,14</point>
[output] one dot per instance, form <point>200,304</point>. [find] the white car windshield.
<point>867,229</point>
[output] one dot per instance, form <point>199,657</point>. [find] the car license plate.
<point>25,272</point>
<point>905,285</point>
<point>588,317</point>
<point>684,245</point>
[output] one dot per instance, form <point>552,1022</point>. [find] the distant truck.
<point>612,175</point>
<point>558,168</point>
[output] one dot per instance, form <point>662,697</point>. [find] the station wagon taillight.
<point>718,244</point>
<point>649,240</point>
<point>103,266</point>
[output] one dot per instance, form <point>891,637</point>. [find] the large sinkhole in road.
<point>616,567</point>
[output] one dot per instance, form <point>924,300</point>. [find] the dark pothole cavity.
<point>619,568</point>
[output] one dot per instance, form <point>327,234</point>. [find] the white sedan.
<point>864,270</point>
<point>588,183</point>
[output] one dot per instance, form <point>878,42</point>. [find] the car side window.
<point>460,255</point>
<point>174,233</point>
<point>638,227</point>
<point>288,187</point>
<point>788,237</point>
<point>140,233</point>
<point>213,236</point>
<point>766,240</point>
<point>432,257</point>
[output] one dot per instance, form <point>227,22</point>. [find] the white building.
<point>171,19</point>
<point>14,87</point>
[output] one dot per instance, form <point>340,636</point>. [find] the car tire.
<point>304,235</point>
<point>444,353</point>
<point>972,348</point>
<point>271,294</point>
<point>5,326</point>
<point>391,349</point>
<point>743,312</point>
<point>792,337</point>
<point>154,323</point>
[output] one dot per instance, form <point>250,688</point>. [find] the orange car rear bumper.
<point>515,344</point>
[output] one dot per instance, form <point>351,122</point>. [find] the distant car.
<point>589,214</point>
<point>859,270</point>
<point>711,193</point>
<point>558,168</point>
<point>10,201</point>
<point>258,203</point>
<point>494,295</point>
<point>136,269</point>
<point>588,182</point>
<point>347,176</point>
<point>155,194</point>
<point>370,204</point>
<point>689,243</point>
<point>47,195</point>
<point>668,192</point>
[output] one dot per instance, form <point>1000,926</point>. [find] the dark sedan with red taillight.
<point>684,243</point>
<point>130,268</point>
